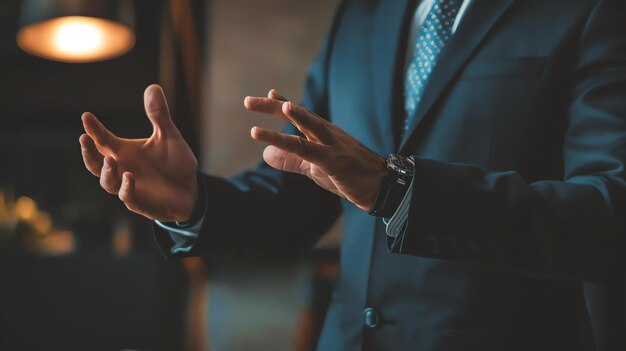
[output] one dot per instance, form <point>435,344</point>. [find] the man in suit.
<point>505,188</point>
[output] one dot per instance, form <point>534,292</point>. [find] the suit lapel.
<point>389,27</point>
<point>480,17</point>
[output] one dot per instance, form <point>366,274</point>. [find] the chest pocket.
<point>501,68</point>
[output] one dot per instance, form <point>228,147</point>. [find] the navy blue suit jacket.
<point>520,192</point>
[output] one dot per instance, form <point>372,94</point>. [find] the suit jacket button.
<point>371,317</point>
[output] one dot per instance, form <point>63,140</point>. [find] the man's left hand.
<point>329,156</point>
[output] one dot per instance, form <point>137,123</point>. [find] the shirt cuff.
<point>396,225</point>
<point>184,237</point>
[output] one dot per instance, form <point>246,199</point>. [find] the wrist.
<point>380,172</point>
<point>198,204</point>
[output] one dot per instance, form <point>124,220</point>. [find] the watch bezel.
<point>403,166</point>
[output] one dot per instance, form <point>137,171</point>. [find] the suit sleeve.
<point>264,213</point>
<point>574,226</point>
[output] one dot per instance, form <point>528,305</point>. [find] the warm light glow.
<point>25,208</point>
<point>76,39</point>
<point>42,223</point>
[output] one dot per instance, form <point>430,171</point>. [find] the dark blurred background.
<point>77,270</point>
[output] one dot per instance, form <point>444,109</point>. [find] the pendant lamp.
<point>76,30</point>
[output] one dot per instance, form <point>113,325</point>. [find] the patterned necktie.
<point>431,38</point>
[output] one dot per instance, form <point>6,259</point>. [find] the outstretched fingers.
<point>127,193</point>
<point>92,158</point>
<point>312,125</point>
<point>274,94</point>
<point>268,105</point>
<point>307,150</point>
<point>109,178</point>
<point>104,140</point>
<point>272,104</point>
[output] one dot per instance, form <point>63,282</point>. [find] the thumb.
<point>158,112</point>
<point>285,161</point>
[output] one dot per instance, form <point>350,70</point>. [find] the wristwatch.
<point>393,186</point>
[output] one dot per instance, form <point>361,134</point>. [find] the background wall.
<point>254,46</point>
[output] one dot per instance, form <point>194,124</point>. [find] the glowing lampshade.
<point>76,31</point>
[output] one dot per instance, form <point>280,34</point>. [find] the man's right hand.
<point>154,177</point>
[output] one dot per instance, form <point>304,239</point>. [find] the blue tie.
<point>431,38</point>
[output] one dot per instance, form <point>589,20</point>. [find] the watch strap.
<point>391,191</point>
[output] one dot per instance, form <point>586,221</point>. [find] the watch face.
<point>402,165</point>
